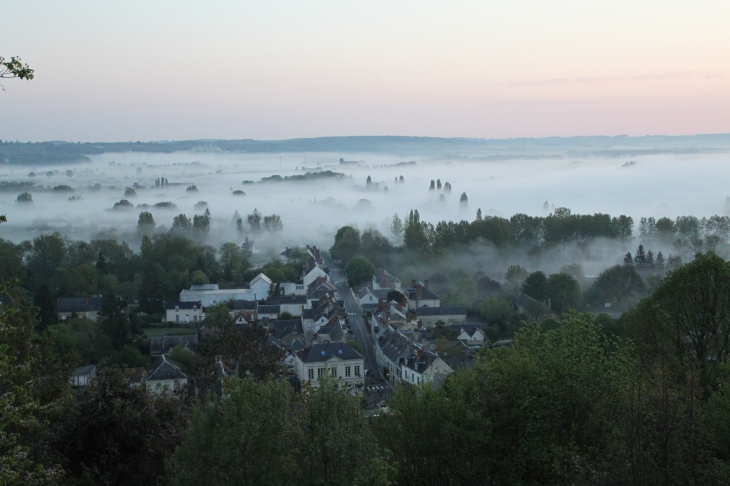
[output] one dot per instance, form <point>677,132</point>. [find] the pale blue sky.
<point>280,69</point>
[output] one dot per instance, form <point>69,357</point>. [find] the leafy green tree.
<point>120,434</point>
<point>249,438</point>
<point>18,407</point>
<point>453,421</point>
<point>396,296</point>
<point>515,276</point>
<point>181,224</point>
<point>619,284</point>
<point>25,197</point>
<point>396,230</point>
<point>535,286</point>
<point>152,290</point>
<point>563,291</point>
<point>200,278</point>
<point>338,445</point>
<point>145,223</point>
<point>359,270</point>
<point>347,244</point>
<point>201,225</point>
<point>496,311</point>
<point>273,223</point>
<point>14,68</point>
<point>689,314</point>
<point>254,220</point>
<point>46,254</point>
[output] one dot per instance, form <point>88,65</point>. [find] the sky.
<point>174,70</point>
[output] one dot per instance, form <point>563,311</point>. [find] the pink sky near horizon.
<point>284,69</point>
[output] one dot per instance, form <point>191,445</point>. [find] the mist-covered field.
<point>654,185</point>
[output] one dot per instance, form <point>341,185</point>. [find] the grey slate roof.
<point>324,351</point>
<point>269,309</point>
<point>242,305</point>
<point>426,293</point>
<point>165,370</point>
<point>441,311</point>
<point>286,326</point>
<point>79,304</point>
<point>160,345</point>
<point>83,371</point>
<point>182,305</point>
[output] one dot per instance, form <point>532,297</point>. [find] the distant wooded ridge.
<point>27,153</point>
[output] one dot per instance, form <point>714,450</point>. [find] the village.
<point>372,338</point>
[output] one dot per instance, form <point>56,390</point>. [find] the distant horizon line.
<point>392,137</point>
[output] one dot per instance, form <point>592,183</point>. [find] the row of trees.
<point>559,227</point>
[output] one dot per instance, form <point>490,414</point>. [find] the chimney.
<point>420,354</point>
<point>413,282</point>
<point>419,291</point>
<point>425,283</point>
<point>430,360</point>
<point>408,317</point>
<point>380,304</point>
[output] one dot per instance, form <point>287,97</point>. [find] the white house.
<point>471,335</point>
<point>313,274</point>
<point>291,288</point>
<point>448,315</point>
<point>211,294</point>
<point>424,367</point>
<point>166,377</point>
<point>419,296</point>
<point>183,312</point>
<point>337,360</point>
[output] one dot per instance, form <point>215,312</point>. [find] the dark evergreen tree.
<point>152,290</point>
<point>628,259</point>
<point>369,181</point>
<point>640,257</point>
<point>438,184</point>
<point>432,187</point>
<point>47,315</point>
<point>659,262</point>
<point>649,259</point>
<point>401,179</point>
<point>101,264</point>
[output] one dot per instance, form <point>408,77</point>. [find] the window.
<point>320,372</point>
<point>195,318</point>
<point>177,318</point>
<point>311,374</point>
<point>357,370</point>
<point>334,372</point>
<point>347,371</point>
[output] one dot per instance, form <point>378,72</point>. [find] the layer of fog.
<point>656,185</point>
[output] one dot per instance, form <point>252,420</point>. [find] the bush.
<point>24,198</point>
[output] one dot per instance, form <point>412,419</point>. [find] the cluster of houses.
<point>415,339</point>
<point>306,319</point>
<point>407,348</point>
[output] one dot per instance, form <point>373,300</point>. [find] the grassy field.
<point>163,331</point>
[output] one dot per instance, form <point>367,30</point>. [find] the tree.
<point>629,259</point>
<point>432,187</point>
<point>145,223</point>
<point>232,261</point>
<point>338,444</point>
<point>14,68</point>
<point>19,409</point>
<point>396,230</point>
<point>25,197</point>
<point>515,275</point>
<point>359,270</point>
<point>201,225</point>
<point>250,437</point>
<point>563,291</point>
<point>640,257</point>
<point>463,200</point>
<point>273,223</point>
<point>369,181</point>
<point>47,315</point>
<point>347,244</point>
<point>496,311</point>
<point>535,286</point>
<point>616,285</point>
<point>199,278</point>
<point>396,296</point>
<point>120,434</point>
<point>181,224</point>
<point>690,313</point>
<point>254,220</point>
<point>152,290</point>
<point>438,184</point>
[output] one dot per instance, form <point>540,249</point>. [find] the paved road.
<point>359,329</point>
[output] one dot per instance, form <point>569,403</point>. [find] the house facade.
<point>335,360</point>
<point>165,378</point>
<point>184,312</point>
